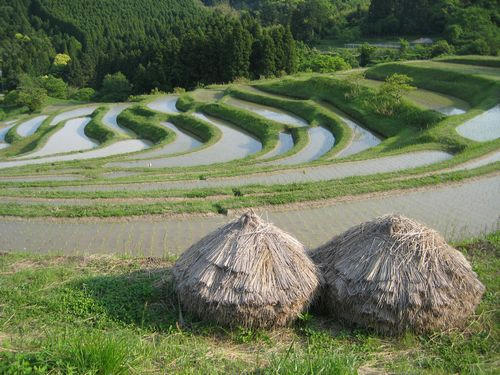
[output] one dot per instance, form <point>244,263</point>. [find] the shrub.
<point>115,87</point>
<point>84,94</point>
<point>55,87</point>
<point>390,93</point>
<point>441,47</point>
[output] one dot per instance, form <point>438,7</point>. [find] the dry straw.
<point>393,274</point>
<point>247,273</point>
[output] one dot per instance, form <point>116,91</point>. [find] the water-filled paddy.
<point>29,127</point>
<point>3,132</point>
<point>70,138</point>
<point>234,144</point>
<point>269,113</point>
<point>165,104</point>
<point>482,128</point>
<point>183,142</point>
<point>129,145</point>
<point>320,142</point>
<point>285,144</point>
<point>79,112</point>
<point>362,139</point>
<point>109,119</point>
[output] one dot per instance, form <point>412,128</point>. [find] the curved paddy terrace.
<point>278,143</point>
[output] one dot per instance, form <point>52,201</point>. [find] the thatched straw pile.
<point>393,274</point>
<point>247,273</point>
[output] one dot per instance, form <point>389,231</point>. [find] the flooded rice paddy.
<point>70,138</point>
<point>29,127</point>
<point>3,133</point>
<point>78,112</point>
<point>269,113</point>
<point>234,144</point>
<point>109,119</point>
<point>165,104</point>
<point>320,142</point>
<point>182,143</point>
<point>482,128</point>
<point>129,145</point>
<point>285,144</point>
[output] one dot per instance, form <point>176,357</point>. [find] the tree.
<point>115,88</point>
<point>441,47</point>
<point>55,87</point>
<point>391,92</point>
<point>366,53</point>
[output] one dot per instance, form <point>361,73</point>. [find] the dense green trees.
<point>472,26</point>
<point>182,43</point>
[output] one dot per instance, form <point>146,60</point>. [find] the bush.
<point>115,88</point>
<point>85,94</point>
<point>55,87</point>
<point>441,47</point>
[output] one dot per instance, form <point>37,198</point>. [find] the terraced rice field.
<point>283,146</point>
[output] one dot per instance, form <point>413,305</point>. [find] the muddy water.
<point>129,145</point>
<point>285,144</point>
<point>482,128</point>
<point>79,112</point>
<point>71,137</point>
<point>269,113</point>
<point>165,104</point>
<point>234,144</point>
<point>31,126</point>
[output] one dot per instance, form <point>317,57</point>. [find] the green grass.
<point>265,130</point>
<point>477,91</point>
<point>249,196</point>
<point>492,61</point>
<point>109,315</point>
<point>145,123</point>
<point>95,129</point>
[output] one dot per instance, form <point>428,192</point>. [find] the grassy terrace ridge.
<point>492,61</point>
<point>264,130</point>
<point>145,123</point>
<point>307,110</point>
<point>95,129</point>
<point>239,198</point>
<point>479,92</point>
<point>434,133</point>
<point>120,316</point>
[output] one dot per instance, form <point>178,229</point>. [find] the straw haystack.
<point>393,274</point>
<point>247,273</point>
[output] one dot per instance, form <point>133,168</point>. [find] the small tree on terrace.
<point>391,93</point>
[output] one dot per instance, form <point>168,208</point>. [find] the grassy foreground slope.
<point>119,316</point>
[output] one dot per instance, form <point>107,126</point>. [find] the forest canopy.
<point>185,43</point>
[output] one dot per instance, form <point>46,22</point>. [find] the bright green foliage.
<point>311,60</point>
<point>85,94</point>
<point>55,87</point>
<point>115,88</point>
<point>441,47</point>
<point>390,93</point>
<point>28,94</point>
<point>61,60</point>
<point>366,53</point>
